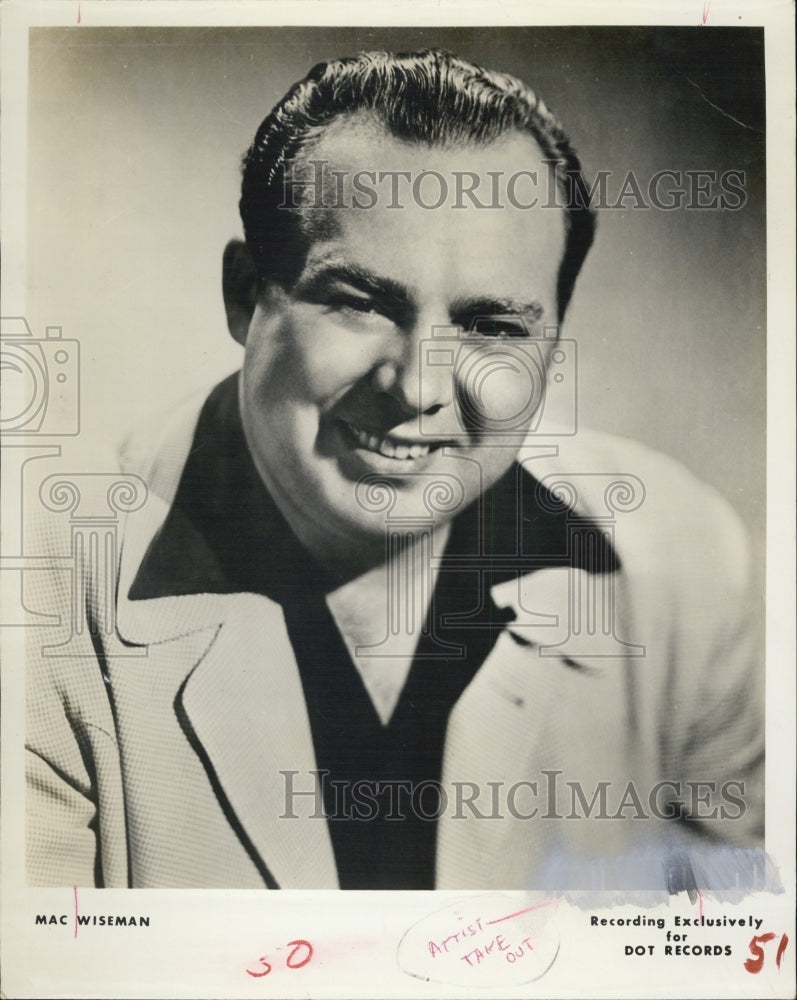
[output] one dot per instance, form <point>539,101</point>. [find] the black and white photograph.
<point>393,431</point>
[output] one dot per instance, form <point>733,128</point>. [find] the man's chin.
<point>385,504</point>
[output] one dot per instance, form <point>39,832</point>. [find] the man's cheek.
<point>328,343</point>
<point>280,371</point>
<point>329,374</point>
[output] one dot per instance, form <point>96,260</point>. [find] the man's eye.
<point>363,306</point>
<point>498,326</point>
<point>355,303</point>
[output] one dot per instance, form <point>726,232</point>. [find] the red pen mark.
<point>300,944</point>
<point>74,893</point>
<point>756,963</point>
<point>78,13</point>
<point>706,9</point>
<point>298,947</point>
<point>538,906</point>
<point>267,968</point>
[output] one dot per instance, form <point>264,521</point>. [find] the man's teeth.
<point>387,447</point>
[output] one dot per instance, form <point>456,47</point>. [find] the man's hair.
<point>429,97</point>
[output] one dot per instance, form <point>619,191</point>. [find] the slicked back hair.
<point>429,97</point>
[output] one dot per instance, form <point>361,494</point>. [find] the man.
<point>378,626</point>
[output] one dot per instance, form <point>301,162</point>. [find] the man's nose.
<point>419,371</point>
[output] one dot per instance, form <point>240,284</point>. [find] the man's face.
<point>342,378</point>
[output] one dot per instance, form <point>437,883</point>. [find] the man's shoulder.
<point>158,448</point>
<point>662,513</point>
<point>598,452</point>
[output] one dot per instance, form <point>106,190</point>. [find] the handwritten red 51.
<point>756,963</point>
<point>300,955</point>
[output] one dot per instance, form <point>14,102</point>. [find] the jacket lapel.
<point>494,735</point>
<point>509,726</point>
<point>490,739</point>
<point>244,702</point>
<point>249,716</point>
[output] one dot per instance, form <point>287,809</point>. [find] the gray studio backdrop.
<point>135,138</point>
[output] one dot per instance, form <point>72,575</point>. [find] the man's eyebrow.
<point>385,287</point>
<point>470,308</point>
<point>360,277</point>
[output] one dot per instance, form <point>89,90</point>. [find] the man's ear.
<point>239,284</point>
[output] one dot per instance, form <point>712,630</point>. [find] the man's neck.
<point>380,614</point>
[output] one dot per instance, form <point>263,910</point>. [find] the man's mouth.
<point>389,445</point>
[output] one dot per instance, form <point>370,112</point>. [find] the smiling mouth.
<point>388,445</point>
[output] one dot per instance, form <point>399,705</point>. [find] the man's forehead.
<point>360,142</point>
<point>356,173</point>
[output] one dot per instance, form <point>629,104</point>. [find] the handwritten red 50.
<point>300,955</point>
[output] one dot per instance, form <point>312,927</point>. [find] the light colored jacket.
<point>155,754</point>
